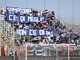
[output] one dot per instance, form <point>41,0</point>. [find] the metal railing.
<point>43,52</point>
<point>7,29</point>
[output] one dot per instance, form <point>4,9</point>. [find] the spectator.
<point>61,35</point>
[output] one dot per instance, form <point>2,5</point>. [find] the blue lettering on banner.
<point>31,32</point>
<point>47,33</point>
<point>35,32</point>
<point>33,19</point>
<point>10,17</point>
<point>21,19</point>
<point>26,19</point>
<point>21,32</point>
<point>41,32</point>
<point>14,18</point>
<point>51,34</point>
<point>42,19</point>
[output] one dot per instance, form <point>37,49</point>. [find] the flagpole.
<point>44,4</point>
<point>5,3</point>
<point>58,9</point>
<point>73,12</point>
<point>26,3</point>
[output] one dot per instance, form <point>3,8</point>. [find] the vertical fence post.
<point>56,52</point>
<point>68,52</point>
<point>0,34</point>
<point>18,51</point>
<point>72,51</point>
<point>2,51</point>
<point>13,42</point>
<point>25,51</point>
<point>62,51</point>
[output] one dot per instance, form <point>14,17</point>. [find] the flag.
<point>45,11</point>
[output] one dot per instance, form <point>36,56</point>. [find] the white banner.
<point>22,10</point>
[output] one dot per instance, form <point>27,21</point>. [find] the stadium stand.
<point>61,35</point>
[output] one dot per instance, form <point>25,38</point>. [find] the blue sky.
<point>65,7</point>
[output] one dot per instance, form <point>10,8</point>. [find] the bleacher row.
<point>39,20</point>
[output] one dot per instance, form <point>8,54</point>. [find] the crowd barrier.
<point>41,50</point>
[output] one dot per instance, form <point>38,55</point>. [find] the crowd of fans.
<point>61,35</point>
